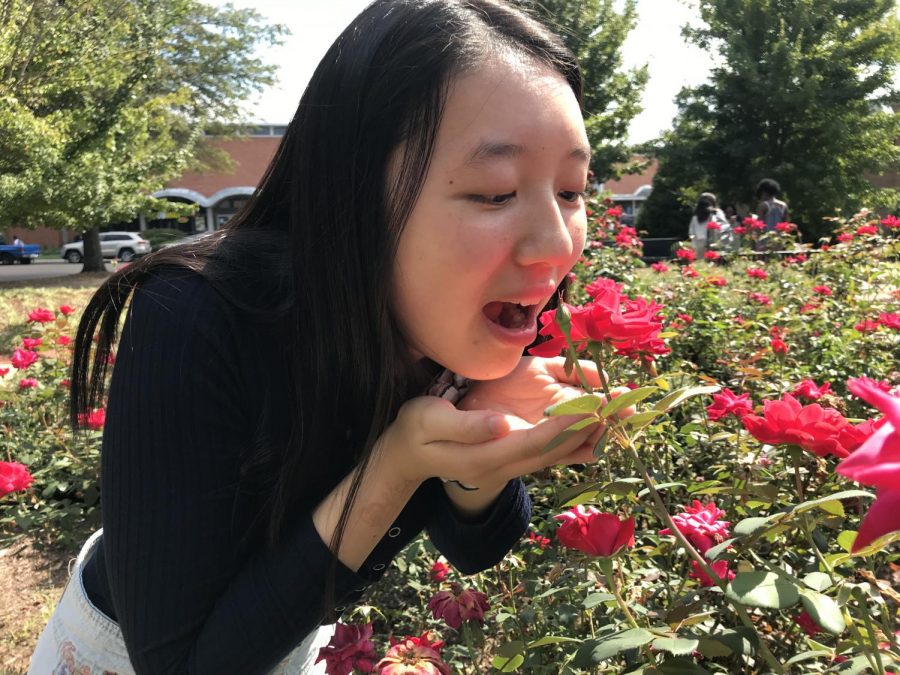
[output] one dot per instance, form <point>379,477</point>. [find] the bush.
<point>159,236</point>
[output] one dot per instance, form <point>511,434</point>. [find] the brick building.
<point>217,194</point>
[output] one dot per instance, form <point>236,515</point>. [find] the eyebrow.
<point>490,150</point>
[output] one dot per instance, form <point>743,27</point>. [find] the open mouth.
<point>511,315</point>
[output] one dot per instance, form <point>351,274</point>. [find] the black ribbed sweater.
<point>183,566</point>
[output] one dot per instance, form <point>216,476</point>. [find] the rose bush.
<point>743,520</point>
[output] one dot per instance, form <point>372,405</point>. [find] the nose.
<point>552,234</point>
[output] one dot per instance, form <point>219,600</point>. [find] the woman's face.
<point>499,222</point>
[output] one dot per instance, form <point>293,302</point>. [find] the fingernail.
<point>498,424</point>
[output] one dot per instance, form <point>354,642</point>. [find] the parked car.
<point>21,253</point>
<point>126,246</point>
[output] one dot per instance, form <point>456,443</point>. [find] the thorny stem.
<point>606,565</point>
<point>692,552</point>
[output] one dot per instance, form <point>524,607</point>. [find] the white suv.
<point>126,246</point>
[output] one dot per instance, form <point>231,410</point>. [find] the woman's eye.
<point>493,200</point>
<point>570,196</point>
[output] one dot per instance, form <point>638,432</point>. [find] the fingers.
<point>556,368</point>
<point>440,421</point>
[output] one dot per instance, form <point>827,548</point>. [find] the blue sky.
<point>314,24</point>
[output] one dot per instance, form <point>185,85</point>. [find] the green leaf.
<point>740,640</point>
<point>676,645</point>
<point>568,432</point>
<point>595,599</point>
<point>509,664</point>
<point>628,398</point>
<point>762,589</point>
<point>678,396</point>
<point>550,640</point>
<point>509,656</point>
<point>642,419</point>
<point>582,405</point>
<point>818,581</point>
<point>749,526</point>
<point>824,611</point>
<point>714,552</point>
<point>595,651</point>
<point>821,501</point>
<point>845,540</point>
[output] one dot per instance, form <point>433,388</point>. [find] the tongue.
<point>506,314</point>
<point>513,316</point>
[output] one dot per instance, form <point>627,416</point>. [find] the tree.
<point>595,32</point>
<point>103,101</point>
<point>804,94</point>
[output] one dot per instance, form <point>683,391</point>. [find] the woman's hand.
<point>430,437</point>
<point>535,385</point>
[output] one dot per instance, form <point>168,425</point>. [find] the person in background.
<point>771,210</point>
<point>18,242</point>
<point>708,224</point>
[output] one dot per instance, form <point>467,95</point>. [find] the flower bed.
<point>743,520</point>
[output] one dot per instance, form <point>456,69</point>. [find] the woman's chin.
<point>488,369</point>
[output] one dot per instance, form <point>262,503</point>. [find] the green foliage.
<point>595,30</point>
<point>802,93</point>
<point>162,235</point>
<point>101,103</point>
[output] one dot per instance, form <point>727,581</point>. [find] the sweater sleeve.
<point>177,425</point>
<point>473,545</point>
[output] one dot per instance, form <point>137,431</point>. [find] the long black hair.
<point>317,241</point>
<point>706,204</point>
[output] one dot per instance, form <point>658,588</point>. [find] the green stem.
<point>872,635</point>
<point>606,565</point>
<point>699,559</point>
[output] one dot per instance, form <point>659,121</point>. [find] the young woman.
<point>270,440</point>
<point>706,213</point>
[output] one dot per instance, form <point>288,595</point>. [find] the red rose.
<point>714,280</point>
<point>31,343</point>
<point>808,389</point>
<point>711,255</point>
<point>719,568</point>
<point>599,534</point>
<point>845,237</point>
<point>760,298</point>
<point>408,657</point>
<point>690,273</point>
<point>686,254</point>
<point>93,420</point>
<point>538,540</point>
<point>22,358</point>
<point>14,477</point>
<point>63,340</point>
<point>785,227</point>
<point>823,290</point>
<point>28,383</point>
<point>727,403</point>
<point>866,326</point>
<point>757,273</point>
<point>3,372</point>
<point>65,309</point>
<point>701,524</point>
<point>811,427</point>
<point>439,570</point>
<point>890,320</point>
<point>350,647</point>
<point>807,623</point>
<point>41,315</point>
<point>867,229</point>
<point>659,267</point>
<point>779,346</point>
<point>458,604</point>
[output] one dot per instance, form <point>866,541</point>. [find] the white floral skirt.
<point>81,640</point>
